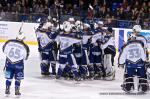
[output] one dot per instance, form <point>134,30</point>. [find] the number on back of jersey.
<point>15,51</point>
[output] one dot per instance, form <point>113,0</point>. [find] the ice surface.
<point>36,87</point>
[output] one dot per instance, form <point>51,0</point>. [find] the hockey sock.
<point>60,72</point>
<point>53,65</point>
<point>17,83</point>
<point>8,82</point>
<point>83,70</point>
<point>44,68</point>
<point>75,72</point>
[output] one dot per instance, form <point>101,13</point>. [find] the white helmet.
<point>100,23</point>
<point>47,25</point>
<point>77,23</point>
<point>137,28</point>
<point>20,37</point>
<point>71,19</point>
<point>86,25</point>
<point>67,26</point>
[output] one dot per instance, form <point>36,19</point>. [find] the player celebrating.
<point>16,52</point>
<point>95,53</point>
<point>86,41</point>
<point>45,37</point>
<point>66,57</point>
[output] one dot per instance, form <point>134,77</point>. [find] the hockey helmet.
<point>100,23</point>
<point>67,26</point>
<point>47,25</point>
<point>110,29</point>
<point>86,25</point>
<point>71,19</point>
<point>20,37</point>
<point>137,28</point>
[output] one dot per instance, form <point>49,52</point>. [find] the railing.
<point>7,16</point>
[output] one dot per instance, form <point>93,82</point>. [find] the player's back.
<point>133,52</point>
<point>15,50</point>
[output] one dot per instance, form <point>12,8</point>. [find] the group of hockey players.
<point>86,51</point>
<point>82,50</point>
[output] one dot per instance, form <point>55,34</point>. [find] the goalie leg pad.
<point>108,64</point>
<point>143,85</point>
<point>128,84</point>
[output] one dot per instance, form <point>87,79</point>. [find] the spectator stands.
<point>118,13</point>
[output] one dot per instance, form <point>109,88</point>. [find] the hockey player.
<point>86,41</point>
<point>16,52</point>
<point>78,50</point>
<point>45,37</point>
<point>95,53</point>
<point>133,57</point>
<point>66,57</point>
<point>109,51</point>
<point>137,36</point>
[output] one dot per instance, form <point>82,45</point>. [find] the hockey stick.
<point>20,28</point>
<point>58,6</point>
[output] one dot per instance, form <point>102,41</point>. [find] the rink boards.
<point>9,30</point>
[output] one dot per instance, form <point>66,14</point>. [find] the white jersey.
<point>133,52</point>
<point>15,50</point>
<point>86,38</point>
<point>97,36</point>
<point>142,39</point>
<point>66,41</point>
<point>44,40</point>
<point>111,41</point>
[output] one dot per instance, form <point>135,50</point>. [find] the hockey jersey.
<point>86,40</point>
<point>16,50</point>
<point>46,40</point>
<point>66,42</point>
<point>98,35</point>
<point>133,52</point>
<point>108,41</point>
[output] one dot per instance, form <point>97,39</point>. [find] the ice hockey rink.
<point>34,86</point>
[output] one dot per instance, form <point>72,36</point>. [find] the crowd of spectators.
<point>130,10</point>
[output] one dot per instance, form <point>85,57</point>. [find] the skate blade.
<point>7,95</point>
<point>17,96</point>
